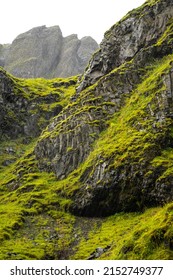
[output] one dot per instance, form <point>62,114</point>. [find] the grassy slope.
<point>145,235</point>
<point>34,223</point>
<point>22,186</point>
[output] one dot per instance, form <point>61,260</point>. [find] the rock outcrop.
<point>115,74</point>
<point>134,36</point>
<point>24,114</point>
<point>44,52</point>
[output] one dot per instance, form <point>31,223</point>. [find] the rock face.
<point>44,52</point>
<point>132,37</point>
<point>23,114</point>
<point>123,84</point>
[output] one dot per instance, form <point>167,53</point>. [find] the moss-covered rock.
<point>120,169</point>
<point>101,170</point>
<point>27,105</point>
<point>135,36</point>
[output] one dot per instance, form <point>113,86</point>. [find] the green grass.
<point>39,237</point>
<point>167,36</point>
<point>35,226</point>
<point>33,222</point>
<point>147,235</point>
<point>41,87</point>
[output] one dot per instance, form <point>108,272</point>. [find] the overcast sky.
<point>82,17</point>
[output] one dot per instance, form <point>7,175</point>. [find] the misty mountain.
<point>44,52</point>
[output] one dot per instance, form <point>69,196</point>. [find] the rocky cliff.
<point>111,93</point>
<point>97,166</point>
<point>135,36</point>
<point>44,52</point>
<point>27,105</point>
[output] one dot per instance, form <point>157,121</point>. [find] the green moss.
<point>33,222</point>
<point>41,237</point>
<point>167,36</point>
<point>47,94</point>
<point>165,162</point>
<point>131,236</point>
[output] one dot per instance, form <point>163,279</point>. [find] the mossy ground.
<point>35,225</point>
<point>40,87</point>
<point>33,222</point>
<point>145,235</point>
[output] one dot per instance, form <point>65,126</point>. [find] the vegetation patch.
<point>131,236</point>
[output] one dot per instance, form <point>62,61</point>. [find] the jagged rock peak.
<point>39,31</point>
<point>44,52</point>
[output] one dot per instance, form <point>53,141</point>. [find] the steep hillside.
<point>26,106</point>
<point>44,52</point>
<point>91,158</point>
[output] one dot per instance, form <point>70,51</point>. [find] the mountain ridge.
<point>95,181</point>
<point>44,52</point>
